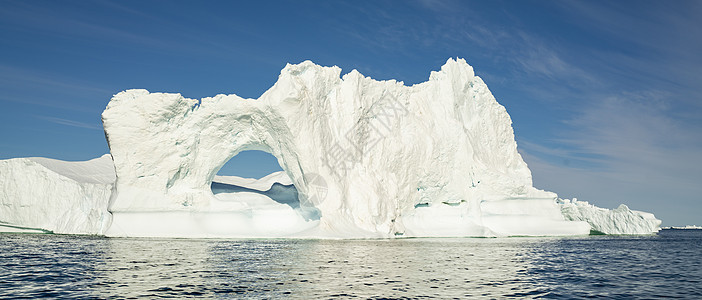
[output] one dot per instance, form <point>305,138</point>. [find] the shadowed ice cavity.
<point>280,193</point>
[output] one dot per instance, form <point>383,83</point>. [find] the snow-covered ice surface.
<point>53,195</point>
<point>361,158</point>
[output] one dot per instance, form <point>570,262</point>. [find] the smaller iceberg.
<point>41,194</point>
<point>620,220</point>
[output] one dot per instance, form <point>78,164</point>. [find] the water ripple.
<point>59,266</point>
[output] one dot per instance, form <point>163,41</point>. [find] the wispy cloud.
<point>44,89</point>
<point>639,152</point>
<point>12,76</point>
<point>636,136</point>
<point>656,42</point>
<point>120,33</point>
<point>71,123</point>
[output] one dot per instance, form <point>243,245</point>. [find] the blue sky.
<point>605,96</point>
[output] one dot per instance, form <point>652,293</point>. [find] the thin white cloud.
<point>77,27</point>
<point>644,156</point>
<point>71,123</point>
<point>44,89</point>
<point>537,57</point>
<point>12,76</point>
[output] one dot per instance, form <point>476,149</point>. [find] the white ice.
<point>620,220</point>
<point>54,195</point>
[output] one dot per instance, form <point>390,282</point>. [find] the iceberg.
<point>361,158</point>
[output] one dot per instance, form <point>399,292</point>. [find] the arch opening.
<point>256,180</point>
<point>254,164</point>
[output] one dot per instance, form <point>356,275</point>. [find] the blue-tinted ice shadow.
<point>284,194</point>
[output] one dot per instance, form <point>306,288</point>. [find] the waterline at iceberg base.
<point>361,158</point>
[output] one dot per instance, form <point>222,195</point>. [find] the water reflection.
<point>319,268</point>
<point>420,267</point>
<point>94,267</point>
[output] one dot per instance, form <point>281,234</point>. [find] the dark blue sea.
<point>62,266</point>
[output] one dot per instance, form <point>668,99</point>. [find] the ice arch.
<point>265,192</point>
<point>433,159</point>
<point>167,150</point>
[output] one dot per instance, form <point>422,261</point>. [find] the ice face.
<point>361,158</point>
<point>53,195</point>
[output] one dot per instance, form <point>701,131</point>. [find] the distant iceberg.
<point>686,227</point>
<point>361,158</point>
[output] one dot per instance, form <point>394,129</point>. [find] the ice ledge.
<point>620,220</point>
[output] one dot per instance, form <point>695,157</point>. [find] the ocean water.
<point>59,266</point>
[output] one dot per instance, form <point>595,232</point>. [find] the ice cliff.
<point>54,195</point>
<point>361,158</point>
